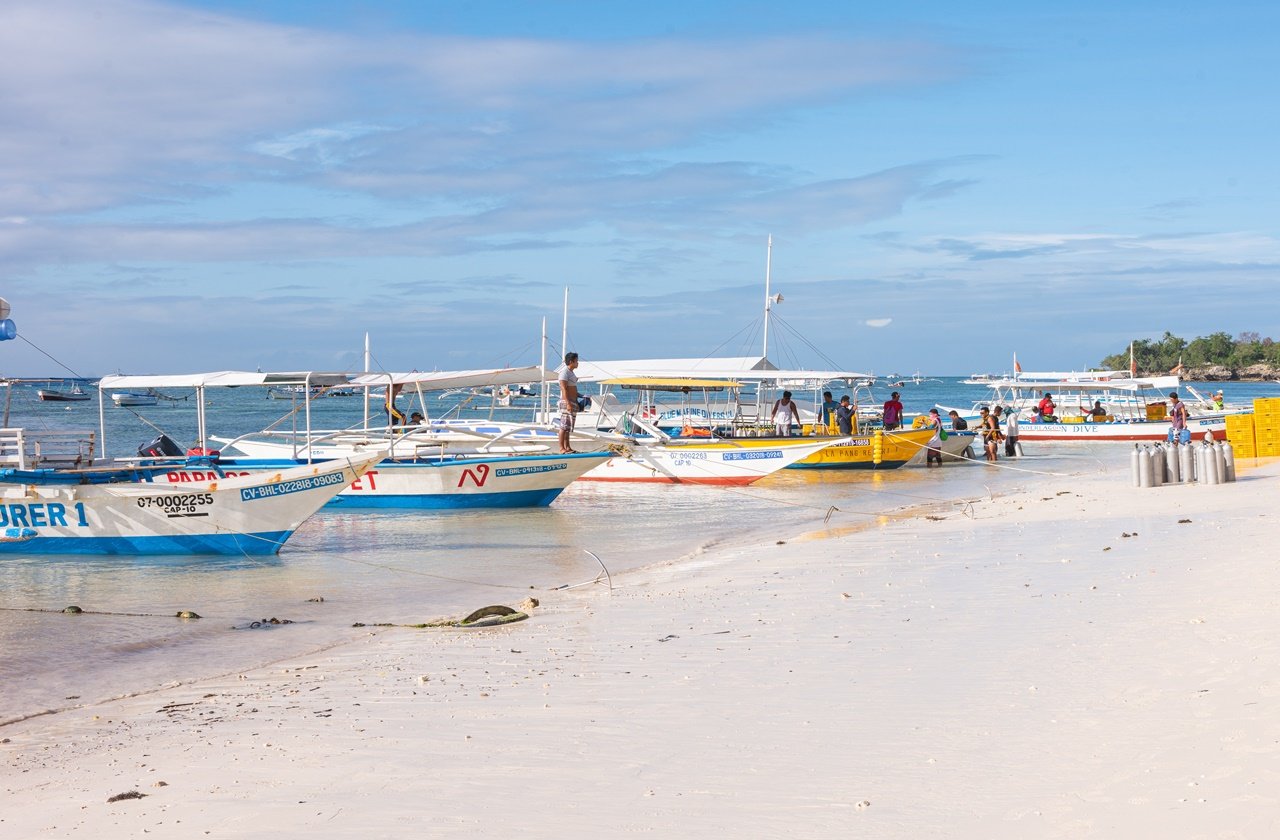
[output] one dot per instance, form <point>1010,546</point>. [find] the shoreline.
<point>1064,679</point>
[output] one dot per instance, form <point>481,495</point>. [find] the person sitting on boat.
<point>569,406</point>
<point>957,422</point>
<point>416,419</point>
<point>1178,431</point>
<point>892,412</point>
<point>784,414</point>
<point>1047,409</point>
<point>1096,413</point>
<point>1219,401</point>
<point>844,416</point>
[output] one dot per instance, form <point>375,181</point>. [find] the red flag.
<point>1133,364</point>
<point>1017,368</point>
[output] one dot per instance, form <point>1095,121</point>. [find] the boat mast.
<point>768,266</point>
<point>564,324</point>
<point>542,384</point>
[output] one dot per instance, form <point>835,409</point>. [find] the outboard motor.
<point>161,447</point>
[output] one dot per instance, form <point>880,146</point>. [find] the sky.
<point>241,184</point>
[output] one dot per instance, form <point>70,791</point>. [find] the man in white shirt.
<point>568,398</point>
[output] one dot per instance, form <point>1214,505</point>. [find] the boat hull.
<point>252,515</point>
<point>462,483</point>
<point>736,462</point>
<point>1120,431</point>
<point>860,453</point>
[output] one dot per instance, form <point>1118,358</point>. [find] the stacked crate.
<point>1266,426</point>
<point>1240,434</point>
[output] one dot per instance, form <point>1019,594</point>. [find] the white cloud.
<point>878,322</point>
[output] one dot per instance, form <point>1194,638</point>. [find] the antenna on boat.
<point>366,352</point>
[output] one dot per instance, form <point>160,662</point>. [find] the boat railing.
<point>26,449</point>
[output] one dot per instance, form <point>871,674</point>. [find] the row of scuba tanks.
<point>1210,462</point>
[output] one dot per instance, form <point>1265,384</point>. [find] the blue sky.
<point>204,185</point>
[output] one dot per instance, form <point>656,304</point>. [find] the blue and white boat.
<point>415,472</point>
<point>124,512</point>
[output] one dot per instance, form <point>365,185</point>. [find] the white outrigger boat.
<point>684,399</point>
<point>1134,407</point>
<point>123,511</point>
<point>493,463</point>
<point>413,470</point>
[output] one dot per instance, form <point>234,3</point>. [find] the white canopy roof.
<point>222,378</point>
<point>741,369</point>
<point>441,380</point>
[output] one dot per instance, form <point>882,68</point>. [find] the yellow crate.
<point>1266,424</point>
<point>1266,405</point>
<point>1242,437</point>
<point>1157,411</point>
<point>1268,448</point>
<point>1243,451</point>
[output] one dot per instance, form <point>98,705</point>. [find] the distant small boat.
<point>127,398</point>
<point>76,394</point>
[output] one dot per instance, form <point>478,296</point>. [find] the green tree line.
<point>1163,354</point>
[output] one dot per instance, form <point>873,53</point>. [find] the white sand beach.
<point>1080,659</point>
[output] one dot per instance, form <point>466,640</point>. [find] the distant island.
<point>1214,358</point>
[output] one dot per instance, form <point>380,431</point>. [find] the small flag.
<point>1017,368</point>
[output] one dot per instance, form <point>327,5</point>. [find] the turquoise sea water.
<point>415,566</point>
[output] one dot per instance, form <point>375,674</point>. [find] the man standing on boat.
<point>568,398</point>
<point>844,416</point>
<point>784,414</point>
<point>892,412</point>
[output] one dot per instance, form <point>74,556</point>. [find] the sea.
<point>344,568</point>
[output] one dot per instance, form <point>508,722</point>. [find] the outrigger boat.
<point>517,454</point>
<point>413,471</point>
<point>737,397</point>
<point>1134,407</point>
<point>125,511</point>
<point>76,394</point>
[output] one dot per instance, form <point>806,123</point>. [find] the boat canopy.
<point>443,380</point>
<point>756,369</point>
<point>222,378</point>
<point>654,383</point>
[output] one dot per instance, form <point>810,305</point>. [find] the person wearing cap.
<point>1011,446</point>
<point>933,452</point>
<point>1047,408</point>
<point>1219,401</point>
<point>1178,431</point>
<point>844,416</point>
